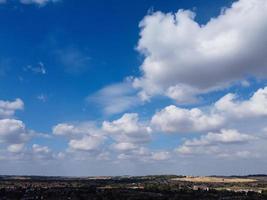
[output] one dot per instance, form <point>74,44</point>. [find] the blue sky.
<point>171,84</point>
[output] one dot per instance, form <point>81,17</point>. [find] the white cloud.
<point>128,129</point>
<point>127,137</point>
<point>124,146</point>
<point>74,130</point>
<point>13,131</point>
<point>14,135</point>
<point>253,107</point>
<point>161,155</point>
<point>87,143</point>
<point>184,59</point>
<point>145,155</point>
<point>15,148</point>
<point>65,129</point>
<point>212,143</point>
<point>174,119</point>
<point>116,98</point>
<point>130,137</point>
<point>40,149</point>
<point>224,137</point>
<point>182,93</point>
<point>226,112</point>
<point>83,136</point>
<point>38,2</point>
<point>8,108</point>
<point>40,152</point>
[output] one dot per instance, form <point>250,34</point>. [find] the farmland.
<point>207,179</point>
<point>139,188</point>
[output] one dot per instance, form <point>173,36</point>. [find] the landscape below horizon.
<point>161,187</point>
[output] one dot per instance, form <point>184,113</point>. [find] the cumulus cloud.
<point>145,155</point>
<point>211,143</point>
<point>87,143</point>
<point>14,135</point>
<point>15,148</point>
<point>184,58</point>
<point>224,137</point>
<point>8,108</point>
<point>128,129</point>
<point>82,136</point>
<point>40,149</point>
<point>30,153</point>
<point>174,119</point>
<point>124,146</point>
<point>253,107</point>
<point>127,137</point>
<point>40,152</point>
<point>115,98</point>
<point>13,131</point>
<point>227,110</point>
<point>74,130</point>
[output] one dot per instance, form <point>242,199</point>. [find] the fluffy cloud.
<point>210,143</point>
<point>127,139</point>
<point>82,136</point>
<point>224,137</point>
<point>40,149</point>
<point>74,130</point>
<point>15,148</point>
<point>224,112</point>
<point>145,155</point>
<point>87,143</point>
<point>184,59</point>
<point>40,152</point>
<point>253,107</point>
<point>124,146</point>
<point>8,108</point>
<point>174,119</point>
<point>13,131</point>
<point>14,135</point>
<point>128,129</point>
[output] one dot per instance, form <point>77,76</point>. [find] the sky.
<point>133,87</point>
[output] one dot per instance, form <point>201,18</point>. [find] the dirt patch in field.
<point>206,179</point>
